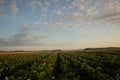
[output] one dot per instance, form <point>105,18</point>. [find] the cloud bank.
<point>25,37</point>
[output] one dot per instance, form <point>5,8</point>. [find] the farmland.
<point>61,65</point>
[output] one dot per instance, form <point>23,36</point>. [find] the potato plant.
<point>68,65</point>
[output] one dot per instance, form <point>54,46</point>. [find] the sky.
<point>59,24</point>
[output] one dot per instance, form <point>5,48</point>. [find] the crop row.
<point>71,65</point>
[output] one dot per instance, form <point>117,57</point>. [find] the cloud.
<point>1,11</point>
<point>32,5</point>
<point>41,6</point>
<point>2,1</point>
<point>39,3</point>
<point>36,23</point>
<point>75,26</point>
<point>42,36</point>
<point>113,18</point>
<point>3,42</point>
<point>13,7</point>
<point>59,12</point>
<point>89,13</point>
<point>48,15</point>
<point>62,27</point>
<point>92,12</point>
<point>109,16</point>
<point>114,5</point>
<point>82,7</point>
<point>55,1</point>
<point>44,11</point>
<point>49,28</point>
<point>43,15</point>
<point>76,14</point>
<point>25,37</point>
<point>47,3</point>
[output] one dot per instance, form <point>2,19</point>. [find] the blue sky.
<point>59,24</point>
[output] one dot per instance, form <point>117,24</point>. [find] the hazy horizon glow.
<point>59,24</point>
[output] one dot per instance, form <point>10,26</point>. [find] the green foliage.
<point>71,65</point>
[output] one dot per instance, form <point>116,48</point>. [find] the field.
<point>61,65</point>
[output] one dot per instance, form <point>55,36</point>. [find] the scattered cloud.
<point>40,4</point>
<point>62,27</point>
<point>48,15</point>
<point>43,15</point>
<point>42,36</point>
<point>59,12</point>
<point>13,7</point>
<point>82,7</point>
<point>76,14</point>
<point>67,0</point>
<point>75,26</point>
<point>88,14</point>
<point>36,23</point>
<point>1,11</point>
<point>47,3</point>
<point>50,28</point>
<point>32,5</point>
<point>78,8</point>
<point>2,1</point>
<point>55,1</point>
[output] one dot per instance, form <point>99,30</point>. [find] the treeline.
<point>106,48</point>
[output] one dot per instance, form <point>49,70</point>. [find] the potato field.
<point>62,65</point>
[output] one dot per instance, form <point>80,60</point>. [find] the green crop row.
<point>70,65</point>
